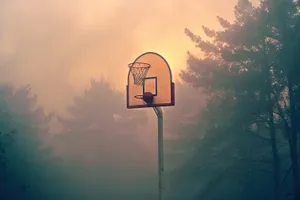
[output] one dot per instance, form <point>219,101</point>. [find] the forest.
<point>232,135</point>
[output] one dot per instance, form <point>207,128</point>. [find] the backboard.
<point>158,81</point>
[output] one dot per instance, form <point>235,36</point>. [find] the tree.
<point>5,142</point>
<point>100,143</point>
<point>239,72</point>
<point>99,106</point>
<point>286,25</point>
<point>32,169</point>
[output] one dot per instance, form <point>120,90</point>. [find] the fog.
<point>57,46</point>
<point>65,132</point>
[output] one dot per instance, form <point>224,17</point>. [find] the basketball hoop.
<point>139,96</point>
<point>152,88</point>
<point>139,71</point>
<point>147,97</point>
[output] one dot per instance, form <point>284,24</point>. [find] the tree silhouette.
<point>100,144</point>
<point>246,77</point>
<point>98,107</point>
<point>31,169</point>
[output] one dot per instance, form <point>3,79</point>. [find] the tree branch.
<point>286,125</point>
<point>260,119</point>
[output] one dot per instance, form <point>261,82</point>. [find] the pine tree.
<point>32,168</point>
<point>242,77</point>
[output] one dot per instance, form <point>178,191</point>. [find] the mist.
<point>65,131</point>
<point>57,46</point>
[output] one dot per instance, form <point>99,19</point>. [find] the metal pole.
<point>159,114</point>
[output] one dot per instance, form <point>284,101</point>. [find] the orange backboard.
<point>158,81</point>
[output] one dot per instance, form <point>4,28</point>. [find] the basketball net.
<point>139,72</point>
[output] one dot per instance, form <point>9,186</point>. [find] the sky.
<point>57,46</point>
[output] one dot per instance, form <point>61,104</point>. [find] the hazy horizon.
<point>58,46</point>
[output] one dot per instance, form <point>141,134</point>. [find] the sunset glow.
<point>69,43</point>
